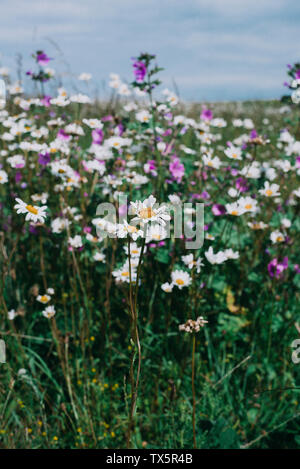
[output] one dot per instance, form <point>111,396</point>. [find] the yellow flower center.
<point>44,299</point>
<point>32,209</point>
<point>234,155</point>
<point>279,239</point>
<point>248,206</point>
<point>179,281</point>
<point>131,229</point>
<point>234,212</point>
<point>52,150</point>
<point>135,251</point>
<point>269,192</point>
<point>125,274</point>
<point>146,213</point>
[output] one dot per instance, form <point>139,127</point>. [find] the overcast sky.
<point>212,49</point>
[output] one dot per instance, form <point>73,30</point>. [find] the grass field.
<point>91,307</point>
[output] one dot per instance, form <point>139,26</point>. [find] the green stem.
<point>193,391</point>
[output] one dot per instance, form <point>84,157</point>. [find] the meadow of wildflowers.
<point>150,272</point>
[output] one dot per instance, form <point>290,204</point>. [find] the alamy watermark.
<point>2,351</point>
<point>187,221</point>
<point>2,94</point>
<point>296,353</point>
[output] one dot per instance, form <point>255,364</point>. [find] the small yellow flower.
<point>55,438</point>
<point>112,434</point>
<point>92,338</point>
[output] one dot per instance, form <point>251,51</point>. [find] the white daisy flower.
<point>234,153</point>
<point>270,190</point>
<point>99,257</point>
<point>135,251</point>
<point>296,192</point>
<point>286,223</point>
<point>277,237</point>
<point>43,299</point>
<point>143,116</point>
<point>125,229</point>
<point>167,287</point>
<point>257,225</point>
<point>49,312</point>
<point>174,199</point>
<point>146,212</point>
<point>33,213</point>
<point>155,232</point>
<point>181,279</point>
<point>123,274</point>
<point>215,258</point>
<point>211,162</point>
<point>12,314</point>
<point>3,177</point>
<point>75,242</point>
<point>230,254</point>
<point>247,204</point>
<point>234,209</point>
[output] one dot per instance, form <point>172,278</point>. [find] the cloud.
<point>241,45</point>
<point>259,82</point>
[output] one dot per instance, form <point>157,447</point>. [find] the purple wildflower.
<point>276,268</point>
<point>46,101</point>
<point>150,167</point>
<point>241,184</point>
<point>139,70</point>
<point>218,209</point>
<point>42,58</point>
<point>44,159</point>
<point>176,169</point>
<point>63,135</point>
<point>206,114</point>
<point>97,135</point>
